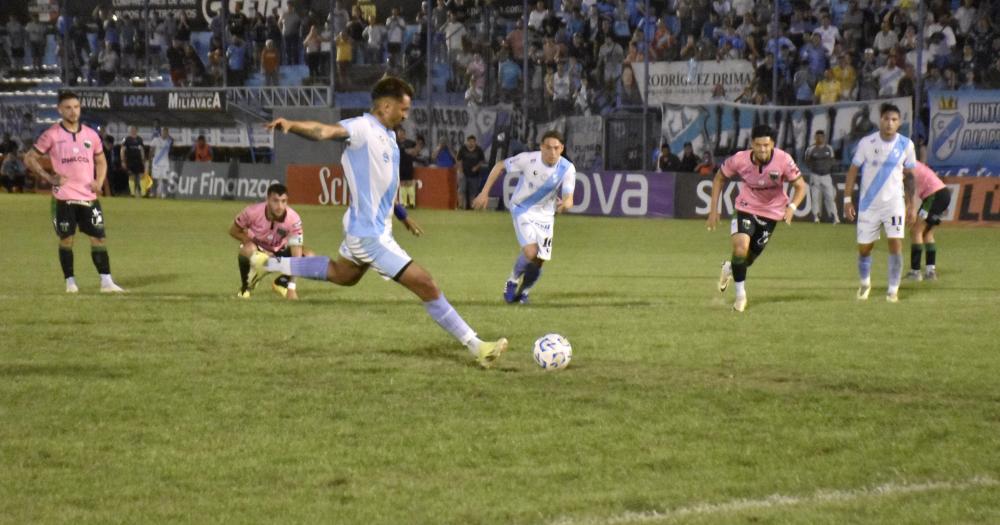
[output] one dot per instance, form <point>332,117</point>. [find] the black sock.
<point>751,257</point>
<point>66,261</point>
<point>915,250</point>
<point>739,268</point>
<point>99,254</point>
<point>244,270</point>
<point>931,254</point>
<point>283,281</point>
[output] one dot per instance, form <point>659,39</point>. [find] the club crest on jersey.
<point>385,156</point>
<point>774,175</point>
<point>87,144</point>
<point>282,232</point>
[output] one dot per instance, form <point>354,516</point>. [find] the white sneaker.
<point>725,276</point>
<point>111,288</point>
<point>740,304</point>
<point>863,292</point>
<point>914,275</point>
<point>892,297</point>
<point>931,275</point>
<point>72,288</point>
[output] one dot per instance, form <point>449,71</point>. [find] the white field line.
<point>780,500</point>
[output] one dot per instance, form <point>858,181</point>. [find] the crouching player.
<point>933,198</point>
<point>274,229</point>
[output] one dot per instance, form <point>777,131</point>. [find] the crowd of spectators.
<point>570,57</point>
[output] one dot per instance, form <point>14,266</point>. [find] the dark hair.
<point>66,95</point>
<point>391,87</point>
<point>277,189</point>
<point>820,132</point>
<point>553,134</point>
<point>763,130</point>
<point>473,137</point>
<point>887,107</point>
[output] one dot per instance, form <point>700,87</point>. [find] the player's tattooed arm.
<point>309,129</point>
<point>908,190</point>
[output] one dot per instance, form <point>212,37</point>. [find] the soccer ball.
<point>552,352</point>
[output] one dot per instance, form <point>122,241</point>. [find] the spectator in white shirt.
<point>886,39</point>
<point>396,27</point>
<point>537,16</point>
<point>965,16</point>
<point>829,34</point>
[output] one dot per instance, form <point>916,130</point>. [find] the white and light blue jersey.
<point>882,165</point>
<point>371,167</point>
<point>539,186</point>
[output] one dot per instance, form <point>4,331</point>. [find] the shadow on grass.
<point>451,353</point>
<point>61,370</point>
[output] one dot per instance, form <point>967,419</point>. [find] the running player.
<point>886,160</point>
<point>77,155</point>
<point>273,228</point>
<point>933,197</point>
<point>545,188</point>
<point>371,167</point>
<point>761,203</point>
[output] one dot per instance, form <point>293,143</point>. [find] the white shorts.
<point>870,222</point>
<point>381,253</point>
<point>532,229</point>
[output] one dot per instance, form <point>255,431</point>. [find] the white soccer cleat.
<point>863,292</point>
<point>931,275</point>
<point>914,275</point>
<point>725,276</point>
<point>257,270</point>
<point>740,304</point>
<point>892,298</point>
<point>72,288</point>
<point>111,288</point>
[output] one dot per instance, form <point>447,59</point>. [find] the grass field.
<point>180,403</point>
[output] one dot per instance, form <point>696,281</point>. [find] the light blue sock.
<point>865,268</point>
<point>519,266</point>
<point>895,271</point>
<point>445,315</point>
<point>308,267</point>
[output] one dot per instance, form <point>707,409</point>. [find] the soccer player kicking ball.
<point>761,203</point>
<point>270,228</point>
<point>77,156</point>
<point>371,167</point>
<point>934,198</point>
<point>545,188</point>
<point>886,160</point>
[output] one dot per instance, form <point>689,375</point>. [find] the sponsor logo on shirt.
<point>70,160</point>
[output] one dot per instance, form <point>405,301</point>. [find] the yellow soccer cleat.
<point>725,276</point>
<point>243,293</point>
<point>740,304</point>
<point>892,298</point>
<point>489,353</point>
<point>280,290</point>
<point>863,292</point>
<point>257,271</point>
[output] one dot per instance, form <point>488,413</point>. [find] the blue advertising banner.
<point>965,131</point>
<point>612,194</point>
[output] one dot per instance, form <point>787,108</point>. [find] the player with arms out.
<point>761,203</point>
<point>273,229</point>
<point>371,167</point>
<point>545,188</point>
<point>933,198</point>
<point>80,168</point>
<point>886,160</point>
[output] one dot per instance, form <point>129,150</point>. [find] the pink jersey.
<point>761,187</point>
<point>927,181</point>
<point>267,234</point>
<point>72,156</point>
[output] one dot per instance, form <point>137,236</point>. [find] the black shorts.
<point>934,206</point>
<point>68,215</point>
<point>758,228</point>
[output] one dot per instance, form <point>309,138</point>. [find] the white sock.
<point>740,290</point>
<point>930,267</point>
<point>71,280</point>
<point>106,279</point>
<point>866,282</point>
<point>282,265</point>
<point>473,345</point>
<point>892,290</point>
